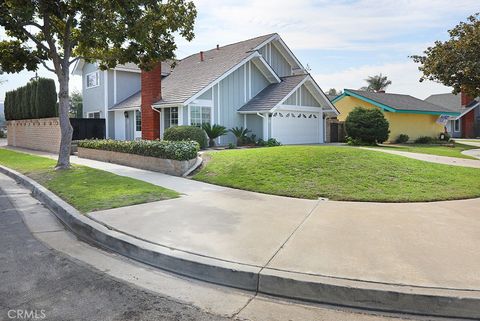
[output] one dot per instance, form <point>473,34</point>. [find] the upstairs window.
<point>93,79</point>
<point>95,114</point>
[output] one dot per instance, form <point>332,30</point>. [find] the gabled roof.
<point>397,103</point>
<point>273,94</point>
<point>191,75</point>
<point>449,101</point>
<point>132,101</point>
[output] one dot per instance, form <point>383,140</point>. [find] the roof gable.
<point>397,103</point>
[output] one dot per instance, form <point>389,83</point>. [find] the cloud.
<point>404,76</point>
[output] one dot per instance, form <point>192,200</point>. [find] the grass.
<point>440,150</point>
<point>87,189</point>
<point>339,173</point>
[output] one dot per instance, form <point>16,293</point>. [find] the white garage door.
<point>294,127</point>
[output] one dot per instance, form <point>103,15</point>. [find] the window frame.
<point>97,74</point>
<point>93,114</point>
<point>456,125</point>
<point>173,111</point>
<point>201,114</point>
<point>138,120</point>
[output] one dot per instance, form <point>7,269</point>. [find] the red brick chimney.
<point>151,93</point>
<point>466,99</point>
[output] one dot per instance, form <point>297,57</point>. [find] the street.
<point>41,283</point>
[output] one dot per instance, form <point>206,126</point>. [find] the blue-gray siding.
<point>276,60</point>
<point>93,98</point>
<point>303,99</point>
<point>255,124</point>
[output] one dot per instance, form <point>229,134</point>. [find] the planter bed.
<point>167,166</point>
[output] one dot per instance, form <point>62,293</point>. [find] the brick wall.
<point>38,134</point>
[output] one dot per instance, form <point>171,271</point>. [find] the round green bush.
<point>179,133</point>
<point>367,125</point>
<point>402,139</point>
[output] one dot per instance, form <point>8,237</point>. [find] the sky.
<point>343,41</point>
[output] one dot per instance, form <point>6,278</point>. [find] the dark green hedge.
<point>179,133</point>
<point>37,99</point>
<point>181,150</point>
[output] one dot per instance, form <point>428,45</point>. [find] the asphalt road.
<point>38,283</point>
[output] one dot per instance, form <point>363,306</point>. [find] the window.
<point>93,79</point>
<point>95,114</point>
<point>200,115</point>
<point>138,120</point>
<point>456,125</point>
<point>173,116</point>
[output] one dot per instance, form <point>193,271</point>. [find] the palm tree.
<point>213,132</point>
<point>377,83</point>
<point>240,133</point>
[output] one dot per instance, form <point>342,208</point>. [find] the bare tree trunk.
<point>65,127</point>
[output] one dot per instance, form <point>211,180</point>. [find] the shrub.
<point>354,141</point>
<point>178,150</point>
<point>231,146</point>
<point>269,143</point>
<point>3,134</point>
<point>213,132</point>
<point>240,133</point>
<point>424,140</point>
<point>444,137</point>
<point>367,125</point>
<point>46,98</point>
<point>179,133</point>
<point>402,139</point>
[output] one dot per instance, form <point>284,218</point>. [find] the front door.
<point>128,125</point>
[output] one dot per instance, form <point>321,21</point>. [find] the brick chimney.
<point>466,99</point>
<point>151,93</point>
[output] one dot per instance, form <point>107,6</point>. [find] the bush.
<point>3,134</point>
<point>402,139</point>
<point>444,137</point>
<point>231,146</point>
<point>367,125</point>
<point>178,150</point>
<point>37,99</point>
<point>354,141</point>
<point>272,142</point>
<point>424,140</point>
<point>179,133</point>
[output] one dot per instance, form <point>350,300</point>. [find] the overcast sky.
<point>343,41</point>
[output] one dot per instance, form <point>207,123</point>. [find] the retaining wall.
<point>167,166</point>
<point>38,134</point>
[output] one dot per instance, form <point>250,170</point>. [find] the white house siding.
<point>301,97</point>
<point>276,60</point>
<point>255,124</point>
<point>93,98</point>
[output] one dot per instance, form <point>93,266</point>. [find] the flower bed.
<point>177,150</point>
<point>173,158</point>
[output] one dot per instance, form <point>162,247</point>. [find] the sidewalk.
<point>433,158</point>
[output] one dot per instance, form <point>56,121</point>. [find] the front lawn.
<point>435,149</point>
<point>87,189</point>
<point>339,173</point>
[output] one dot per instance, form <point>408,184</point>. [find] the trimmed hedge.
<point>180,133</point>
<point>177,150</point>
<point>37,99</point>
<point>366,126</point>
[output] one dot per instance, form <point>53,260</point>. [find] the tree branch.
<point>73,60</point>
<point>34,39</point>
<point>45,64</point>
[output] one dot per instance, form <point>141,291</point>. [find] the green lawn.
<point>433,149</point>
<point>339,173</point>
<point>85,188</point>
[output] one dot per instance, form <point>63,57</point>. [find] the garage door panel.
<point>292,127</point>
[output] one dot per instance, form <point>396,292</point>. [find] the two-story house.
<point>258,84</point>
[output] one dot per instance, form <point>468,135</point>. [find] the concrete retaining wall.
<point>38,134</point>
<point>167,166</point>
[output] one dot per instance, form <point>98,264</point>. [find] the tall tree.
<point>59,32</point>
<point>455,62</point>
<point>377,83</point>
<point>334,92</point>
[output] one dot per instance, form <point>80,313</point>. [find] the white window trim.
<point>456,130</point>
<point>98,78</point>
<point>94,112</point>
<point>212,120</point>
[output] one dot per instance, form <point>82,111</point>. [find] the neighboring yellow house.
<point>406,114</point>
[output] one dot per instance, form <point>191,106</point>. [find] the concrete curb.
<point>358,294</point>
